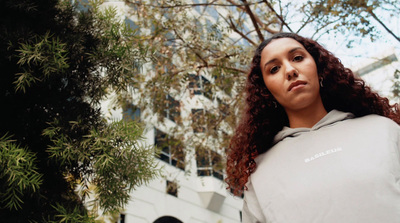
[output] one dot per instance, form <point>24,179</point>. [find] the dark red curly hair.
<point>264,117</point>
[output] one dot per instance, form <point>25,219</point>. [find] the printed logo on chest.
<point>322,154</point>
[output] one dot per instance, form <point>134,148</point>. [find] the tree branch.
<point>263,25</point>
<point>322,27</point>
<point>253,20</point>
<point>187,5</point>
<point>217,65</point>
<point>237,5</point>
<point>233,26</point>
<point>384,26</point>
<point>305,23</point>
<point>277,15</point>
<point>188,45</point>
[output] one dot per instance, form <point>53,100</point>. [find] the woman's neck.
<point>306,118</point>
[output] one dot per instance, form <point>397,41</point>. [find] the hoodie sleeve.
<point>398,142</point>
<point>247,216</point>
<point>251,212</point>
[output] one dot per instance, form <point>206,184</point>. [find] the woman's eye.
<point>298,58</point>
<point>273,70</point>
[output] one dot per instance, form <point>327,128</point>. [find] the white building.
<point>191,189</point>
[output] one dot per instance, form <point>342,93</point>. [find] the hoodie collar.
<point>330,118</point>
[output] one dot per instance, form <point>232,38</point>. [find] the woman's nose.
<point>291,72</point>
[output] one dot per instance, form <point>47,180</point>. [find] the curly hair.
<point>263,117</point>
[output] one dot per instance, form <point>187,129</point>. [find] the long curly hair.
<point>264,117</point>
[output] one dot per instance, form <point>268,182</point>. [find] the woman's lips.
<point>296,84</point>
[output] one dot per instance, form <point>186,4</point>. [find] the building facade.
<point>191,188</point>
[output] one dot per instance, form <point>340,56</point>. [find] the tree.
<point>191,58</point>
<point>204,47</point>
<point>58,63</point>
<point>354,15</point>
<point>200,48</point>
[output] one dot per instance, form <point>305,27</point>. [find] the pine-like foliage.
<point>57,64</point>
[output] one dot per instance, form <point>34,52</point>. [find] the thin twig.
<point>279,17</point>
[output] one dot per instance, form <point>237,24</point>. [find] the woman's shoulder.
<point>377,122</point>
<point>376,118</point>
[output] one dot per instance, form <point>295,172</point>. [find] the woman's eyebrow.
<point>294,49</point>
<point>290,51</point>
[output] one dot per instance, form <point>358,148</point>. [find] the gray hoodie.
<point>343,169</point>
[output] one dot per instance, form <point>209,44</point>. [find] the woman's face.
<point>290,74</point>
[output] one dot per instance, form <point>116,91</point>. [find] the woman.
<point>315,143</point>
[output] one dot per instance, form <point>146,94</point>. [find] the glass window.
<point>172,109</point>
<point>121,218</point>
<point>209,163</point>
<point>206,86</point>
<point>198,120</point>
<point>225,82</point>
<point>172,188</point>
<point>171,149</point>
<point>194,84</point>
<point>200,85</point>
<point>223,107</point>
<point>131,112</point>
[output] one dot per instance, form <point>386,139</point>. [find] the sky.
<point>363,49</point>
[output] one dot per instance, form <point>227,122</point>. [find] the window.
<point>131,112</point>
<point>225,82</point>
<point>172,188</point>
<point>171,149</point>
<point>209,163</point>
<point>172,109</point>
<point>200,85</point>
<point>121,218</point>
<point>223,107</point>
<point>198,120</point>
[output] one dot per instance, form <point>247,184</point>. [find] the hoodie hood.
<point>332,117</point>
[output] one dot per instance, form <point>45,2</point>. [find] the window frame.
<point>199,85</point>
<point>131,112</point>
<point>167,154</point>
<point>172,188</point>
<point>209,160</point>
<point>198,120</point>
<point>172,109</point>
